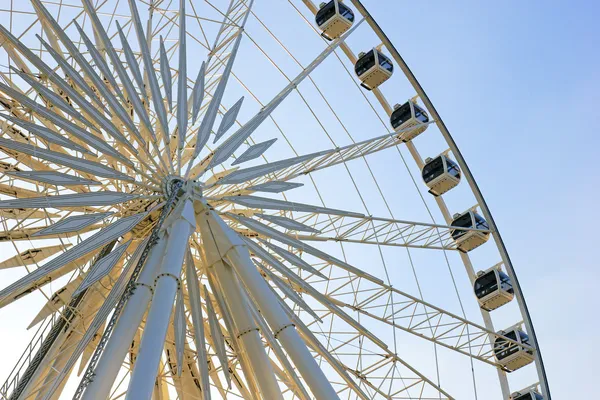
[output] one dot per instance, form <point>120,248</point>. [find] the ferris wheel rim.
<point>474,186</point>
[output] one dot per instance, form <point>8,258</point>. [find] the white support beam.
<point>181,226</point>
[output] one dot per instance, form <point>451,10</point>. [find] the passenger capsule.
<point>407,115</point>
<point>510,355</point>
<point>526,394</point>
<point>373,68</point>
<point>440,174</point>
<point>493,289</point>
<point>467,239</point>
<point>334,18</point>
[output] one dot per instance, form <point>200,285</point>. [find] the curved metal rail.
<point>474,187</point>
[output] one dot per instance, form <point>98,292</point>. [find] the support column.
<point>228,243</point>
<point>283,328</point>
<point>247,331</point>
<point>131,317</point>
<point>179,228</point>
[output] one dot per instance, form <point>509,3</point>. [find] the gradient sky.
<point>517,84</point>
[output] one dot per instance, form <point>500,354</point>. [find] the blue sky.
<point>517,85</point>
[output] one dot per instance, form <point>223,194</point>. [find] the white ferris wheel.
<point>218,199</point>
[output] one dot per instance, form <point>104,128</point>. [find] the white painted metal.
<point>376,74</point>
<point>42,275</point>
<point>166,284</point>
<point>227,244</point>
<point>32,256</point>
<point>228,119</point>
<point>254,152</point>
<point>102,267</point>
<point>126,327</point>
<point>99,319</point>
<point>246,330</point>
<point>198,323</point>
<point>179,325</point>
<point>228,147</point>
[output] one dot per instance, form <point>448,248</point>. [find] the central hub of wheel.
<point>173,181</point>
<point>170,183</point>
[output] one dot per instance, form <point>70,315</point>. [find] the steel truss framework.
<point>124,177</point>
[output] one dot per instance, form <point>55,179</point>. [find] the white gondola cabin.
<point>513,356</point>
<point>468,239</point>
<point>334,18</point>
<point>409,115</point>
<point>526,394</point>
<point>440,174</point>
<point>493,289</point>
<point>373,68</point>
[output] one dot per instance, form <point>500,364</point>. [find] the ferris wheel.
<point>218,199</point>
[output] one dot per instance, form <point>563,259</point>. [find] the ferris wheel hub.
<point>170,182</point>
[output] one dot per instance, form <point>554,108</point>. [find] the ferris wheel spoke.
<point>245,180</point>
<point>326,224</point>
<point>211,112</point>
<point>132,63</point>
<point>53,28</point>
<point>32,256</point>
<point>68,126</point>
<point>198,92</point>
<point>53,178</point>
<point>227,148</point>
<point>61,297</point>
<point>178,323</point>
<point>282,205</point>
<point>70,200</point>
<point>102,267</point>
<point>292,258</point>
<point>229,119</point>
<point>100,316</point>
<point>72,224</point>
<point>159,106</point>
<point>165,73</point>
<point>92,168</point>
<point>182,95</point>
<point>359,379</point>
<point>195,307</point>
<point>48,271</point>
<point>184,382</point>
<point>270,232</point>
<point>57,100</point>
<point>133,96</point>
<point>381,231</point>
<point>434,324</point>
<point>215,334</point>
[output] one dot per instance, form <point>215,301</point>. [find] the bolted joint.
<point>282,328</point>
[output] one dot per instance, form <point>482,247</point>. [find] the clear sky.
<point>517,84</point>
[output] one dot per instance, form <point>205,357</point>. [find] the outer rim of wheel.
<point>474,188</point>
